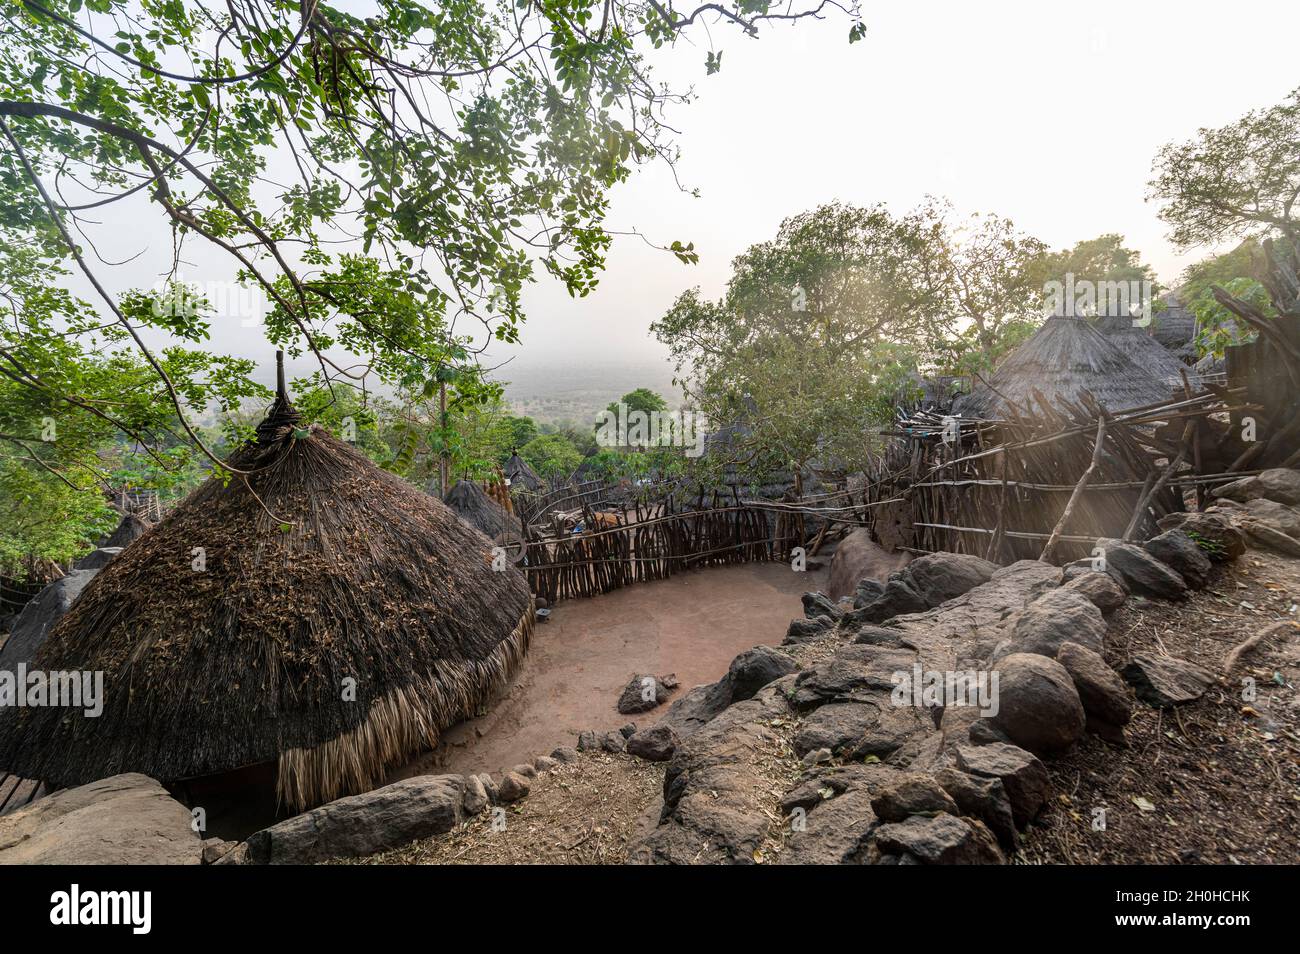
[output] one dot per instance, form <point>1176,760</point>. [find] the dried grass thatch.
<point>475,507</point>
<point>320,568</point>
<point>1146,352</point>
<point>521,476</point>
<point>1061,361</point>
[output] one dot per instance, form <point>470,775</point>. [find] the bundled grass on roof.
<point>475,507</point>
<point>1146,352</point>
<point>233,632</point>
<point>1063,360</point>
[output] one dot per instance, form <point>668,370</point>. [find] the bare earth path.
<point>692,625</point>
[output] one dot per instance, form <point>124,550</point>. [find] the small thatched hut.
<point>1146,352</point>
<point>475,507</point>
<point>1174,329</point>
<point>314,614</point>
<point>521,476</point>
<point>1062,360</point>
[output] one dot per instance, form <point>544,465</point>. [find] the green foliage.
<point>551,455</point>
<point>1234,272</point>
<point>43,519</point>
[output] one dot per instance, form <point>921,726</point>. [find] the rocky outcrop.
<point>39,616</point>
<point>123,820</point>
<point>748,673</point>
<point>360,824</point>
<point>1166,681</point>
<point>1279,484</point>
<point>1143,573</point>
<point>1176,549</point>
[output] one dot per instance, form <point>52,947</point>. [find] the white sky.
<point>1048,113</point>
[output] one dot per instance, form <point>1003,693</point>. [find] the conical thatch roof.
<point>1175,329</point>
<point>231,634</point>
<point>475,507</point>
<point>521,476</point>
<point>1143,350</point>
<point>1062,360</point>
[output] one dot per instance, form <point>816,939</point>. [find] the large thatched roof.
<point>1175,329</point>
<point>1145,351</point>
<point>1063,360</point>
<point>475,507</point>
<point>318,570</point>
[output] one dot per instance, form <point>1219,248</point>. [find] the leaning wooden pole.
<point>1046,555</point>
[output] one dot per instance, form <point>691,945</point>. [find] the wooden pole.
<point>1046,555</point>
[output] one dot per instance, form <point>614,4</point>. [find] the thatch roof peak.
<point>1064,359</point>
<point>231,633</point>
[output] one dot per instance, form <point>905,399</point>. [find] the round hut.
<point>307,612</point>
<point>1145,351</point>
<point>1061,361</point>
<point>521,476</point>
<point>472,504</point>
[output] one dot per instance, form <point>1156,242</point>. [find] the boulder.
<point>1266,536</point>
<point>513,787</point>
<point>982,798</point>
<point>819,604</point>
<point>1166,681</point>
<point>802,630</point>
<point>655,744</point>
<point>834,831</point>
<point>897,598</point>
<point>544,764</point>
<point>1212,530</point>
<point>1278,516</point>
<point>641,694</point>
<point>939,577</point>
<point>753,669</point>
<point>1279,484</point>
<point>941,840</point>
<point>1059,616</point>
<point>1176,549</point>
<point>122,820</point>
<point>526,769</point>
<point>1038,706</point>
<point>1022,775</point>
<point>867,592</point>
<point>1101,589</point>
<point>363,824</point>
<point>565,753</point>
<point>912,794</point>
<point>589,741</point>
<point>1143,573</point>
<point>877,636</point>
<point>858,558</point>
<point>39,616</point>
<point>1106,699</point>
<point>476,795</point>
<point>613,742</point>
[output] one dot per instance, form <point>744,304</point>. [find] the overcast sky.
<point>1048,113</point>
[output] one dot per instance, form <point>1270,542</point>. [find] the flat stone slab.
<point>1166,681</point>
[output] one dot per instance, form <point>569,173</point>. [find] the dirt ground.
<point>692,625</point>
<point>1214,782</point>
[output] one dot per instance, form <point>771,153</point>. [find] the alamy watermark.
<point>946,688</point>
<point>1080,298</point>
<point>623,427</point>
<point>22,688</point>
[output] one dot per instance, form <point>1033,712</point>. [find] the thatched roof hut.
<point>1062,360</point>
<point>475,507</point>
<point>318,614</point>
<point>521,476</point>
<point>1175,329</point>
<point>1145,351</point>
<point>131,527</point>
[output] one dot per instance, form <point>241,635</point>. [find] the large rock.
<point>1060,616</point>
<point>912,794</point>
<point>1105,697</point>
<point>1023,776</point>
<point>655,744</point>
<point>897,598</point>
<point>1038,706</point>
<point>1280,484</point>
<point>1175,548</point>
<point>1166,681</point>
<point>39,616</point>
<point>1101,589</point>
<point>941,840</point>
<point>834,832</point>
<point>855,730</point>
<point>748,673</point>
<point>1143,573</point>
<point>867,592</point>
<point>1266,536</point>
<point>641,694</point>
<point>819,604</point>
<point>1212,530</point>
<point>1278,516</point>
<point>123,820</point>
<point>939,577</point>
<point>363,824</point>
<point>858,558</point>
<point>982,798</point>
<point>802,630</point>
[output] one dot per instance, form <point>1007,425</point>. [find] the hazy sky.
<point>1048,113</point>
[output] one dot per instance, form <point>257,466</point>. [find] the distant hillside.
<point>577,392</point>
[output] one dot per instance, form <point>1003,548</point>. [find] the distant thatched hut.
<point>521,476</point>
<point>318,616</point>
<point>1062,360</point>
<point>1146,352</point>
<point>1174,329</point>
<point>475,507</point>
